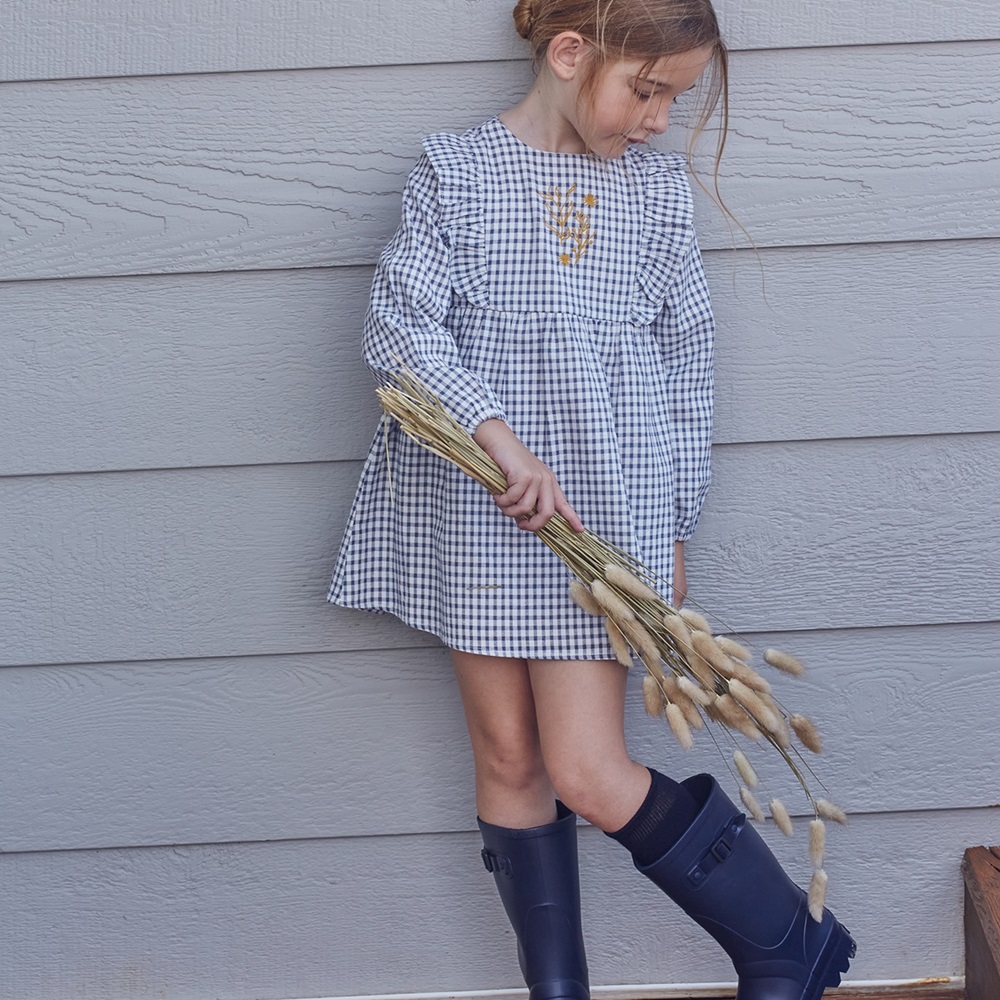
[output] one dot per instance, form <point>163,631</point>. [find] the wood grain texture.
<point>223,562</point>
<point>386,915</point>
<point>298,169</point>
<point>264,367</point>
<point>91,39</point>
<point>306,768</point>
<point>282,747</point>
<point>981,868</point>
<point>186,370</point>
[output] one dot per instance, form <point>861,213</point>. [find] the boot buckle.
<point>498,863</point>
<point>719,852</point>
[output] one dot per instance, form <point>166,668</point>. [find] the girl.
<point>546,283</point>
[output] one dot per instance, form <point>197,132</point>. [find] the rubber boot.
<point>538,879</point>
<point>722,874</point>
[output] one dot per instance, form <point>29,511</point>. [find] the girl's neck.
<point>539,121</point>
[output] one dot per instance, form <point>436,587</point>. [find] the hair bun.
<point>524,17</point>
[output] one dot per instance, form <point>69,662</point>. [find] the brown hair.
<point>637,29</point>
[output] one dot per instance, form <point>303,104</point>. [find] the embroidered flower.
<point>569,224</point>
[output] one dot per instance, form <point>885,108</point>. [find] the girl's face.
<point>627,106</point>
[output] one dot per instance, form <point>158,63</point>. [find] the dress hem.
<point>460,646</point>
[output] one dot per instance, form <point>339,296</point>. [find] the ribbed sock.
<point>665,814</point>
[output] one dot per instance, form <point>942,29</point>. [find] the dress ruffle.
<point>461,212</point>
<point>668,229</point>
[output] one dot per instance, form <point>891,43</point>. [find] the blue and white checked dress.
<point>564,294</point>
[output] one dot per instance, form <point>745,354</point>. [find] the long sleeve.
<point>411,295</point>
<point>685,330</point>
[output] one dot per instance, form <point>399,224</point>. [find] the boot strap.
<point>719,851</point>
<point>494,862</point>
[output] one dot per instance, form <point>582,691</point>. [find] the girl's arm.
<point>685,330</point>
<point>410,299</point>
<point>406,327</point>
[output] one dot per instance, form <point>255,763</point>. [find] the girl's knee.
<point>513,765</point>
<point>605,792</point>
<point>583,788</point>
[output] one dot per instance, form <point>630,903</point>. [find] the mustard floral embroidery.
<point>572,226</point>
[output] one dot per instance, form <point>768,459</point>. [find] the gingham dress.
<point>565,295</point>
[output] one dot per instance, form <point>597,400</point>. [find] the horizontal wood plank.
<point>223,562</point>
<point>264,367</point>
<point>274,170</point>
<point>264,748</point>
<point>89,38</point>
<point>386,915</point>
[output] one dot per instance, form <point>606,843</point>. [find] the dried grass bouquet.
<point>692,676</point>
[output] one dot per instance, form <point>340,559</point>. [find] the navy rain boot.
<point>538,879</point>
<point>722,874</point>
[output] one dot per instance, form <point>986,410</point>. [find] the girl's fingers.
<point>564,508</point>
<point>533,495</point>
<point>519,499</point>
<point>514,493</point>
<point>545,506</point>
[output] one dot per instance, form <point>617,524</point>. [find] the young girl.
<point>546,283</point>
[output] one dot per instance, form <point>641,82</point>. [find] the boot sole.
<point>839,951</point>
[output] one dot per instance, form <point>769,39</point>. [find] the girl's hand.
<point>533,493</point>
<point>680,585</point>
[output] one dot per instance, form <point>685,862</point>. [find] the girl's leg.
<point>512,787</point>
<point>580,707</point>
<point>528,846</point>
<point>689,839</point>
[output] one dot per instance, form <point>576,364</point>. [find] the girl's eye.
<point>642,95</point>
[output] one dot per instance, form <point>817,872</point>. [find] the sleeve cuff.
<point>464,394</point>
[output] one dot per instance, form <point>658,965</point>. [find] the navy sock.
<point>665,814</point>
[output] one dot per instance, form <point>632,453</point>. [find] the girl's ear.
<point>566,54</point>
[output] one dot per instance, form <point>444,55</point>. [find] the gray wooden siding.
<point>150,397</point>
<point>86,39</point>
<point>366,916</point>
<point>232,749</point>
<point>216,786</point>
<point>275,170</point>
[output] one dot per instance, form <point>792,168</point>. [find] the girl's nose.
<point>657,122</point>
